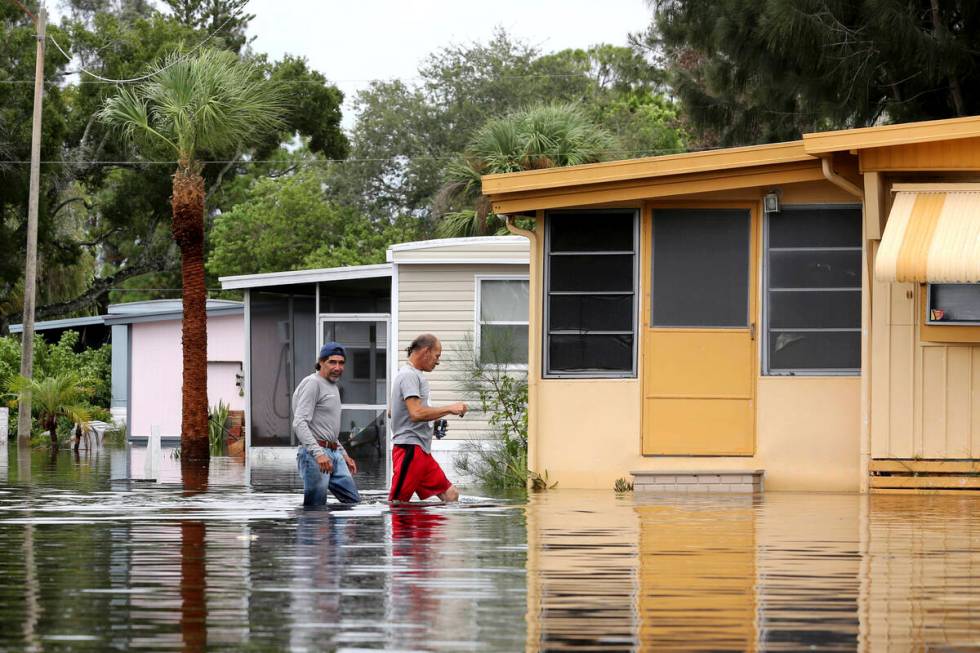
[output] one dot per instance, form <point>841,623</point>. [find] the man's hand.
<point>351,465</point>
<point>326,466</point>
<point>459,408</point>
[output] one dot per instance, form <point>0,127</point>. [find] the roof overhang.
<point>822,143</point>
<point>68,323</point>
<point>295,277</point>
<point>164,316</point>
<point>932,235</point>
<point>501,250</point>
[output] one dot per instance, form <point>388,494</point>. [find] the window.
<point>954,303</point>
<point>590,288</point>
<point>813,290</point>
<point>501,325</point>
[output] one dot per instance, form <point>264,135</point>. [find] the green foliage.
<point>54,397</point>
<point>210,101</point>
<point>501,462</point>
<point>753,71</point>
<point>543,136</point>
<point>289,223</point>
<point>406,135</point>
<point>104,229</point>
<point>217,418</point>
<point>92,366</point>
<point>622,485</point>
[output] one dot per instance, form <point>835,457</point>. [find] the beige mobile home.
<point>806,312</point>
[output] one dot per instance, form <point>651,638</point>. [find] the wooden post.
<point>30,267</point>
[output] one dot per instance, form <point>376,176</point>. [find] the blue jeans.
<point>316,483</point>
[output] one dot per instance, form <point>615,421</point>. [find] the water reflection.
<point>89,563</point>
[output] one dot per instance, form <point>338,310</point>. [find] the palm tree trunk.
<point>188,232</point>
<point>53,431</point>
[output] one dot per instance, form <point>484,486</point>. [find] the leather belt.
<point>327,445</point>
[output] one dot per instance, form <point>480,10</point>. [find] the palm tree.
<point>544,136</point>
<point>54,397</point>
<point>190,105</point>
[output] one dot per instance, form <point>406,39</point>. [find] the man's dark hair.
<point>424,341</point>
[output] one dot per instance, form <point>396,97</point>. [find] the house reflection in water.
<point>742,573</point>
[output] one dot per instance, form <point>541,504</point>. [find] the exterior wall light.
<point>771,201</point>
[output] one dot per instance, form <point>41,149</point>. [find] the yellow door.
<point>699,336</point>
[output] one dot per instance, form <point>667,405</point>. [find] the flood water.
<point>91,561</point>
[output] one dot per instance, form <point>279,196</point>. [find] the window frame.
<point>546,331</point>
<point>477,315</point>
<point>766,368</point>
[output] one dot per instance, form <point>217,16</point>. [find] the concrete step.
<point>713,481</point>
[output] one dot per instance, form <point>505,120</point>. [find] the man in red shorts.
<point>414,470</point>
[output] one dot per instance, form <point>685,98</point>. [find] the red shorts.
<point>415,472</point>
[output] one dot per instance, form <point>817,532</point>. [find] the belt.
<point>327,445</point>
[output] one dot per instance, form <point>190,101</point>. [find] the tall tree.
<point>189,106</point>
<point>545,136</point>
<point>752,71</point>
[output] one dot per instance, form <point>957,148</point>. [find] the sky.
<point>355,41</point>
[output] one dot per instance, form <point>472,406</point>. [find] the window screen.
<point>701,268</point>
<point>813,290</point>
<point>502,323</point>
<point>954,303</point>
<point>590,303</point>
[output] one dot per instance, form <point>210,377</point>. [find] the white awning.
<point>932,235</point>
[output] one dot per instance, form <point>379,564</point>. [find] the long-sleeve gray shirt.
<point>316,412</point>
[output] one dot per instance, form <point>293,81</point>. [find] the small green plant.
<point>540,481</point>
<point>116,436</point>
<point>217,429</point>
<point>60,398</point>
<point>622,485</point>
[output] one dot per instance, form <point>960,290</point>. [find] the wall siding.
<point>440,299</point>
<point>925,395</point>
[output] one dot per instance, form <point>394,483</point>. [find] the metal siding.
<point>439,299</point>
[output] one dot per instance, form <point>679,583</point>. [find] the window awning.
<point>932,235</point>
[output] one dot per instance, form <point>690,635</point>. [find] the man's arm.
<point>419,413</point>
<point>304,404</point>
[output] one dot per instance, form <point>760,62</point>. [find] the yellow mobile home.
<point>807,311</point>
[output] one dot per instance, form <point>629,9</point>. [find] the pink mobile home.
<point>153,369</point>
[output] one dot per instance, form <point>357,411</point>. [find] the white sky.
<point>355,41</point>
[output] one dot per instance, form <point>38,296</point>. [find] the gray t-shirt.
<point>316,412</point>
<point>409,382</point>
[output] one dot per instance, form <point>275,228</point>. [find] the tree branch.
<point>145,263</point>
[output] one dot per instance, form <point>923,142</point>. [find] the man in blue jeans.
<point>322,462</point>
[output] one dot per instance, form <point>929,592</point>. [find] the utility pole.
<point>30,267</point>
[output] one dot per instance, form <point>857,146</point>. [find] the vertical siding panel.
<point>902,304</point>
<point>933,402</point>
<point>958,402</point>
<point>901,405</point>
<point>975,402</point>
<point>880,370</point>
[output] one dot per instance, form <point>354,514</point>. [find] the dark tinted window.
<point>815,350</point>
<point>591,231</point>
<point>591,312</point>
<point>818,269</point>
<point>958,302</point>
<point>592,272</point>
<point>700,268</point>
<point>813,289</point>
<point>591,287</point>
<point>596,353</point>
<point>815,227</point>
<point>814,310</point>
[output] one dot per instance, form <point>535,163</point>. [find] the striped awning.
<point>932,235</point>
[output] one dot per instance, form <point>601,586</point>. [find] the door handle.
<point>752,330</point>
